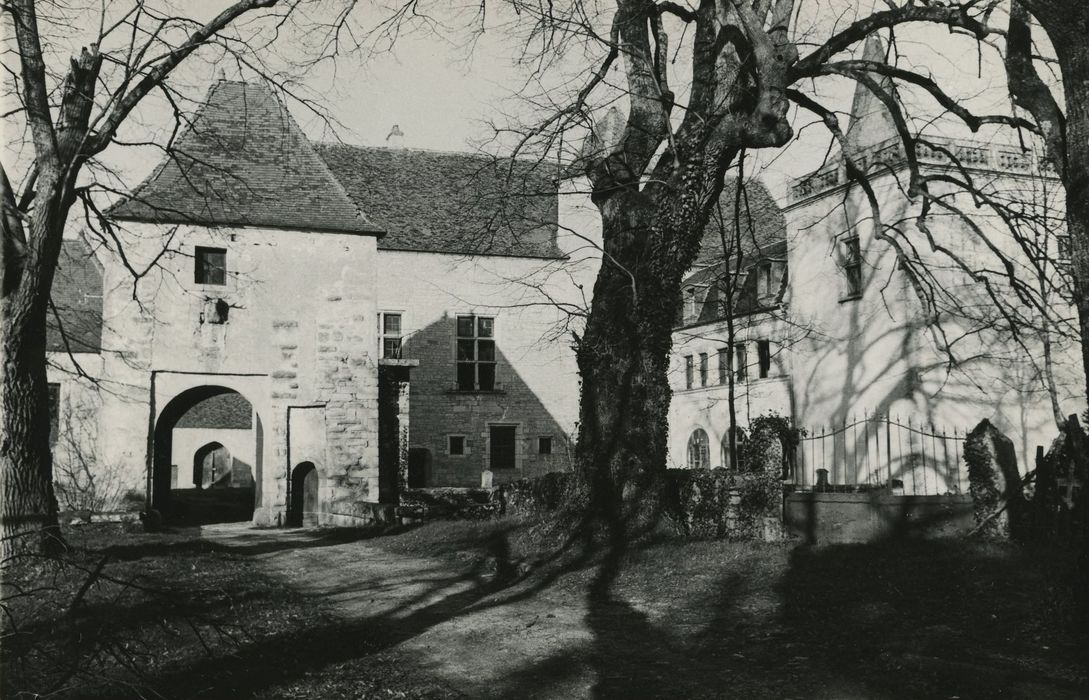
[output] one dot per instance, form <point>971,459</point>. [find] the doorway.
<point>501,447</point>
<point>303,508</point>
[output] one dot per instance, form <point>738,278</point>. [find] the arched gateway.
<point>224,484</point>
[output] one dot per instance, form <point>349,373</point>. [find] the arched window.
<point>699,453</point>
<point>739,447</point>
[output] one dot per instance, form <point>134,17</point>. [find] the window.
<point>476,353</point>
<point>723,365</point>
<point>544,445</point>
<point>763,355</point>
<point>699,456</point>
<point>689,372</point>
<point>763,280</point>
<point>455,445</point>
<point>54,412</point>
<point>211,265</point>
<point>1062,260</point>
<point>742,362</point>
<point>852,266</point>
<point>739,445</point>
<point>703,369</point>
<point>389,332</point>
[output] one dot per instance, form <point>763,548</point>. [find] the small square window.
<point>544,445</point>
<point>456,445</point>
<point>210,265</point>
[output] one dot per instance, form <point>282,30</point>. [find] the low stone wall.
<point>723,504</point>
<point>825,518</point>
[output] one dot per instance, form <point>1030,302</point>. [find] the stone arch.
<point>163,477</point>
<point>303,502</point>
<point>699,450</point>
<point>205,473</point>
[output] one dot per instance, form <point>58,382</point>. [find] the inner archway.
<point>211,435</point>
<point>302,510</point>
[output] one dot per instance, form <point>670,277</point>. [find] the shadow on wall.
<point>472,410</point>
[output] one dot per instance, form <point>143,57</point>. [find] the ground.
<point>464,610</point>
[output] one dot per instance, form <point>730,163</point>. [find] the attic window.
<point>210,265</point>
<point>763,280</point>
<point>689,304</point>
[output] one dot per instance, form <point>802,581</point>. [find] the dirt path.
<point>711,620</point>
<point>448,621</point>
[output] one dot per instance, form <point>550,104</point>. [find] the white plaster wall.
<point>882,354</point>
<point>239,442</point>
<point>301,331</point>
<point>708,407</point>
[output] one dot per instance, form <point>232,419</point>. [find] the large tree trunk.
<point>28,505</point>
<point>1074,62</point>
<point>623,359</point>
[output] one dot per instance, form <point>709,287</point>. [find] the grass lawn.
<point>179,616</point>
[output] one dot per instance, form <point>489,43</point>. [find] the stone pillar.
<point>393,433</point>
<point>994,482</point>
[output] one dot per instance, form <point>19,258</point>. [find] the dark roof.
<point>77,297</point>
<point>711,283</point>
<point>244,161</point>
<point>759,218</point>
<point>762,240</point>
<point>451,202</point>
<point>228,410</point>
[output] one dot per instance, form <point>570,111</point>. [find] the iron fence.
<point>881,453</point>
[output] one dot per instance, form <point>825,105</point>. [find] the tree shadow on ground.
<point>888,620</point>
<point>248,542</point>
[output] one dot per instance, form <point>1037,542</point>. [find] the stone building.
<point>845,341</point>
<point>297,330</point>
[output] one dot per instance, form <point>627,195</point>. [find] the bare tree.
<point>656,175</point>
<point>73,111</point>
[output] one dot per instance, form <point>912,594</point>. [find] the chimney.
<point>395,138</point>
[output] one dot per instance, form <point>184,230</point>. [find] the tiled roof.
<point>451,202</point>
<point>77,297</point>
<point>763,239</point>
<point>230,410</point>
<point>244,161</point>
<point>759,217</point>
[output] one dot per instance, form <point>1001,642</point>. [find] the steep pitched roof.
<point>759,218</point>
<point>77,298</point>
<point>870,122</point>
<point>244,161</point>
<point>451,202</point>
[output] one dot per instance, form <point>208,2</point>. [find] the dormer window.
<point>763,280</point>
<point>210,265</point>
<point>689,304</point>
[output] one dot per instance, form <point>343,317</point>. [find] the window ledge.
<point>470,392</point>
<point>850,297</point>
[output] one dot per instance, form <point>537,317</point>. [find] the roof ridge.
<point>436,151</point>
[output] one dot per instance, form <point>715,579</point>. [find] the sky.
<point>443,83</point>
